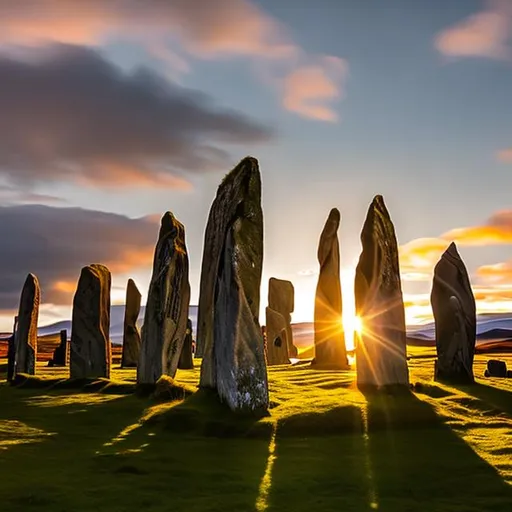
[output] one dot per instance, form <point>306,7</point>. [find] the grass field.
<point>324,447</point>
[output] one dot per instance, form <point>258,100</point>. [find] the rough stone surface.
<point>131,334</point>
<point>11,352</point>
<point>229,333</point>
<point>330,348</point>
<point>186,361</point>
<point>61,353</point>
<point>26,332</point>
<point>90,348</point>
<point>165,318</point>
<point>496,368</point>
<point>381,358</point>
<point>281,296</point>
<point>453,305</point>
<point>277,338</point>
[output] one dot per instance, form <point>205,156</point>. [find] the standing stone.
<point>281,299</point>
<point>277,338</point>
<point>186,361</point>
<point>61,353</point>
<point>229,301</point>
<point>26,333</point>
<point>453,305</point>
<point>330,348</point>
<point>381,358</point>
<point>90,349</point>
<point>11,352</point>
<point>131,335</point>
<point>165,318</point>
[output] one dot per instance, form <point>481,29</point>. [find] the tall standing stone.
<point>131,334</point>
<point>186,361</point>
<point>165,318</point>
<point>90,348</point>
<point>229,301</point>
<point>11,352</point>
<point>330,348</point>
<point>277,338</point>
<point>281,295</point>
<point>453,305</point>
<point>26,332</point>
<point>381,357</point>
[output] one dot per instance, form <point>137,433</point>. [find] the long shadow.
<point>498,398</point>
<point>418,463</point>
<point>318,463</point>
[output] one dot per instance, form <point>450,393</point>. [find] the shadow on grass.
<point>498,398</point>
<point>409,473</point>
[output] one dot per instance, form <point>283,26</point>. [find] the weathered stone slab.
<point>90,348</point>
<point>61,353</point>
<point>165,318</point>
<point>186,361</point>
<point>11,352</point>
<point>381,358</point>
<point>228,328</point>
<point>330,348</point>
<point>26,332</point>
<point>281,297</point>
<point>131,334</point>
<point>277,338</point>
<point>453,305</point>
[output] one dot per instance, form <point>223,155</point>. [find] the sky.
<point>114,112</point>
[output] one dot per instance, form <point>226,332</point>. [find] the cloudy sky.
<point>114,112</point>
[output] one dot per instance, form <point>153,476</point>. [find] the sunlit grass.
<point>324,446</point>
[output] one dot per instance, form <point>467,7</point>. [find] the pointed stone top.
<point>97,268</point>
<point>170,224</point>
<point>334,216</point>
<point>132,286</point>
<point>246,170</point>
<point>452,249</point>
<point>31,278</point>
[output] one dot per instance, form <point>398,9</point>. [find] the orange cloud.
<point>497,272</point>
<point>308,88</point>
<point>505,156</point>
<point>496,231</point>
<point>200,28</point>
<point>484,34</point>
<point>418,258</point>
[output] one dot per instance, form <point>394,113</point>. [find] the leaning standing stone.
<point>330,351</point>
<point>90,349</point>
<point>453,305</point>
<point>381,347</point>
<point>131,335</point>
<point>229,301</point>
<point>26,332</point>
<point>165,318</point>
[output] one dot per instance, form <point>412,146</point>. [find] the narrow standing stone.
<point>330,348</point>
<point>186,361</point>
<point>165,318</point>
<point>11,352</point>
<point>26,333</point>
<point>453,305</point>
<point>90,349</point>
<point>381,357</point>
<point>131,335</point>
<point>61,353</point>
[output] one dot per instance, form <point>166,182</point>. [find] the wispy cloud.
<point>483,34</point>
<point>418,258</point>
<point>176,30</point>
<point>67,114</point>
<point>504,156</point>
<point>54,243</point>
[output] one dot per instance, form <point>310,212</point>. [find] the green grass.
<point>324,446</point>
